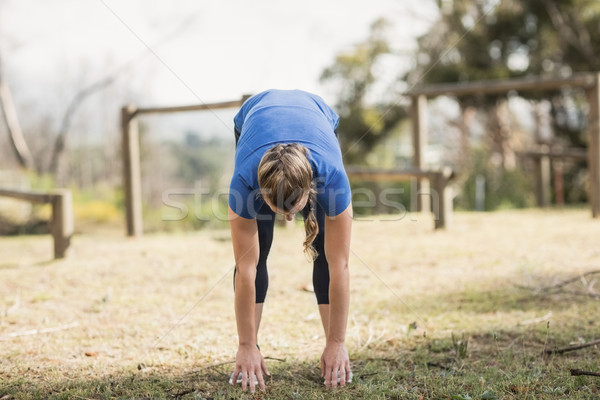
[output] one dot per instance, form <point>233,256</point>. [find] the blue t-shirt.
<point>288,116</point>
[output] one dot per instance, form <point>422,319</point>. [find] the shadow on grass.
<point>293,379</point>
<point>484,363</point>
<point>499,296</point>
<point>384,374</point>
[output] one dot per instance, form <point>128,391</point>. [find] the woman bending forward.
<point>287,161</point>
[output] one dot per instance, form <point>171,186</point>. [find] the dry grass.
<point>153,317</point>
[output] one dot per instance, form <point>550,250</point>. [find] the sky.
<point>189,51</point>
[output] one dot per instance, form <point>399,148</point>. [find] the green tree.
<point>362,125</point>
<point>484,39</point>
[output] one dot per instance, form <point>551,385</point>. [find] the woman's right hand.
<point>250,362</point>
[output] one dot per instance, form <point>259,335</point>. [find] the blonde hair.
<point>285,177</point>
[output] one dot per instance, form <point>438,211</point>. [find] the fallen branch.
<point>573,348</point>
<point>181,394</point>
<point>579,372</point>
<point>275,359</point>
<point>433,364</point>
<point>382,359</point>
<point>568,281</point>
<point>209,367</point>
<point>586,294</point>
<point>537,320</point>
<point>38,331</point>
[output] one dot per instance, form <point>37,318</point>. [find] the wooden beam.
<point>442,198</point>
<point>32,196</point>
<point>132,180</point>
<point>440,192</point>
<point>193,107</point>
<point>569,153</point>
<point>61,225</point>
<point>542,180</point>
<point>391,175</point>
<point>61,222</point>
<point>582,80</point>
<point>594,147</point>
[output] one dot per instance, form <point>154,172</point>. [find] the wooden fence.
<point>132,178</point>
<point>586,81</point>
<point>61,222</point>
<point>436,196</point>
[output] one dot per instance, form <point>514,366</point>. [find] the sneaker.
<point>239,379</point>
<point>340,378</point>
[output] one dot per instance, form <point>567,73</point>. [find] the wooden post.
<point>61,222</point>
<point>559,191</point>
<point>594,147</point>
<point>61,225</point>
<point>542,178</point>
<point>132,186</point>
<point>280,221</point>
<point>420,196</point>
<point>442,198</point>
<point>244,98</point>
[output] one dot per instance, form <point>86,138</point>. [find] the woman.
<point>288,160</point>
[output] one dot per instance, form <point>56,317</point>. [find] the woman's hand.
<point>249,362</point>
<point>337,248</point>
<point>335,359</point>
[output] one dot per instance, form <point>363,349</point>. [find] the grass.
<point>434,315</point>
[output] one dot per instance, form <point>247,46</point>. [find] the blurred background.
<point>67,67</point>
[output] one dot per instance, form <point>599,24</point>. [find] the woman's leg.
<point>321,269</point>
<point>265,220</point>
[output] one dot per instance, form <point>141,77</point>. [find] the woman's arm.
<point>249,361</point>
<point>337,249</point>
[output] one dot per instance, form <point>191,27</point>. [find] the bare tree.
<point>77,101</point>
<point>60,142</point>
<point>67,119</point>
<point>17,140</point>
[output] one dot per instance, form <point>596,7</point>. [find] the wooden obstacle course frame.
<point>61,222</point>
<point>434,187</point>
<point>588,81</point>
<point>544,158</point>
<point>132,176</point>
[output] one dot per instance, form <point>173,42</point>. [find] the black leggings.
<point>265,220</point>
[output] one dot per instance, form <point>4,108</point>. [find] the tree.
<point>61,134</point>
<point>484,39</point>
<point>362,125</point>
<point>17,140</point>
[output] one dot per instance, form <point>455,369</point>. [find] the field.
<point>460,314</point>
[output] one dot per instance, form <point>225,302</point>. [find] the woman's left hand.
<point>335,359</point>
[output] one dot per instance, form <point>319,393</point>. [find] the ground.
<point>460,314</point>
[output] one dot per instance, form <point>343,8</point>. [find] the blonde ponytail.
<point>285,178</point>
<point>311,227</point>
